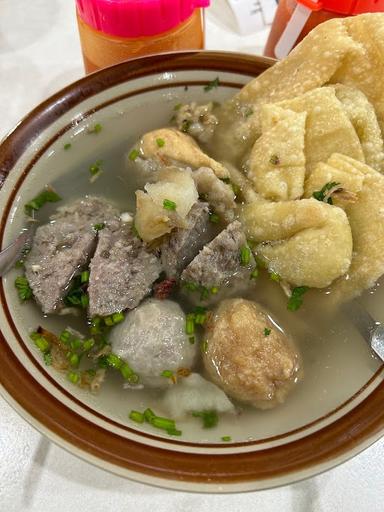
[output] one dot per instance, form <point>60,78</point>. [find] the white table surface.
<point>39,53</point>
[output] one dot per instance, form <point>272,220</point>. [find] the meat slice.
<point>179,249</point>
<point>63,246</point>
<point>122,271</point>
<point>220,260</point>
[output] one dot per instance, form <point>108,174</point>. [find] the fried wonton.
<point>363,118</point>
<point>328,128</point>
<point>366,218</point>
<point>310,65</point>
<point>276,165</point>
<point>305,242</point>
<point>171,147</point>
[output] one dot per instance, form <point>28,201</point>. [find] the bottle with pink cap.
<point>115,30</point>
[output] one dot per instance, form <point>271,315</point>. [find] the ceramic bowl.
<point>309,434</point>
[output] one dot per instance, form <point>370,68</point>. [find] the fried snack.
<point>328,128</point>
<point>171,147</point>
<point>276,165</point>
<point>363,118</point>
<point>366,218</point>
<point>306,242</point>
<point>310,65</point>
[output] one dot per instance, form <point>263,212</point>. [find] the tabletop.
<point>39,54</point>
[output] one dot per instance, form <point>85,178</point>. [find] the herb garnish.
<point>267,331</point>
<point>133,154</point>
<point>296,299</point>
<point>169,205</point>
<point>156,421</point>
<point>226,439</point>
<point>68,145</point>
<point>95,129</point>
<point>99,227</point>
<point>320,195</point>
<point>214,218</point>
<point>185,125</point>
<point>210,418</point>
<point>275,276</point>
<point>48,195</point>
<point>23,289</point>
<point>245,255</point>
<point>95,168</point>
<point>160,142</point>
<point>212,85</point>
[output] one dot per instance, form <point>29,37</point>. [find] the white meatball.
<point>152,339</point>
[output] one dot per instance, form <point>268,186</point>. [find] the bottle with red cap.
<point>295,18</point>
<point>115,30</point>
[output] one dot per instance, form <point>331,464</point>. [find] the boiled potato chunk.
<point>248,357</point>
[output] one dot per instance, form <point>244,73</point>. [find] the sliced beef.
<point>63,246</point>
<point>122,271</point>
<point>179,249</point>
<point>219,261</point>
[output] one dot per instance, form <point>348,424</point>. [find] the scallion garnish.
<point>254,273</point>
<point>185,125</point>
<point>73,359</point>
<point>23,289</point>
<point>73,377</point>
<point>274,276</point>
<point>68,145</point>
<point>177,106</point>
<point>204,346</point>
<point>114,361</point>
<point>84,276</point>
<point>190,324</point>
<point>136,416</point>
<point>95,168</point>
<point>117,317</point>
<point>214,290</point>
<point>95,128</point>
<point>212,85</point>
<point>214,218</point>
<point>192,340</point>
<point>168,374</point>
<point>274,160</point>
<point>296,299</point>
<point>245,255</point>
<point>210,418</point>
<point>226,439</point>
<point>321,194</point>
<point>47,357</point>
<point>99,227</point>
<point>46,196</point>
<point>267,331</point>
<point>41,343</point>
<point>160,142</point>
<point>133,154</point>
<point>169,205</point>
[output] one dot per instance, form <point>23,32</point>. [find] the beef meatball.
<point>152,339</point>
<point>248,356</point>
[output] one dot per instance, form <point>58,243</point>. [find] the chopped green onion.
<point>274,276</point>
<point>118,317</point>
<point>169,205</point>
<point>204,346</point>
<point>167,374</point>
<point>267,331</point>
<point>41,343</point>
<point>245,255</point>
<point>99,227</point>
<point>185,125</point>
<point>95,168</point>
<point>178,106</point>
<point>254,273</point>
<point>47,358</point>
<point>174,432</point>
<point>210,418</point>
<point>23,289</point>
<point>84,276</point>
<point>274,160</point>
<point>212,85</point>
<point>133,154</point>
<point>192,287</point>
<point>236,189</point>
<point>73,377</point>
<point>162,423</point>
<point>226,439</point>
<point>248,112</point>
<point>115,361</point>
<point>127,372</point>
<point>48,195</point>
<point>136,416</point>
<point>73,359</point>
<point>65,336</point>
<point>214,290</point>
<point>108,320</point>
<point>190,324</point>
<point>95,129</point>
<point>296,299</point>
<point>204,293</point>
<point>75,344</point>
<point>192,340</point>
<point>320,194</point>
<point>88,344</point>
<point>160,142</point>
<point>68,145</point>
<point>148,415</point>
<point>214,218</point>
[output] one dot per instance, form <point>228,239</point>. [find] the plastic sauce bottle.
<point>112,31</point>
<point>295,18</point>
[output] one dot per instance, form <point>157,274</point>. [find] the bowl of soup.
<point>201,222</point>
